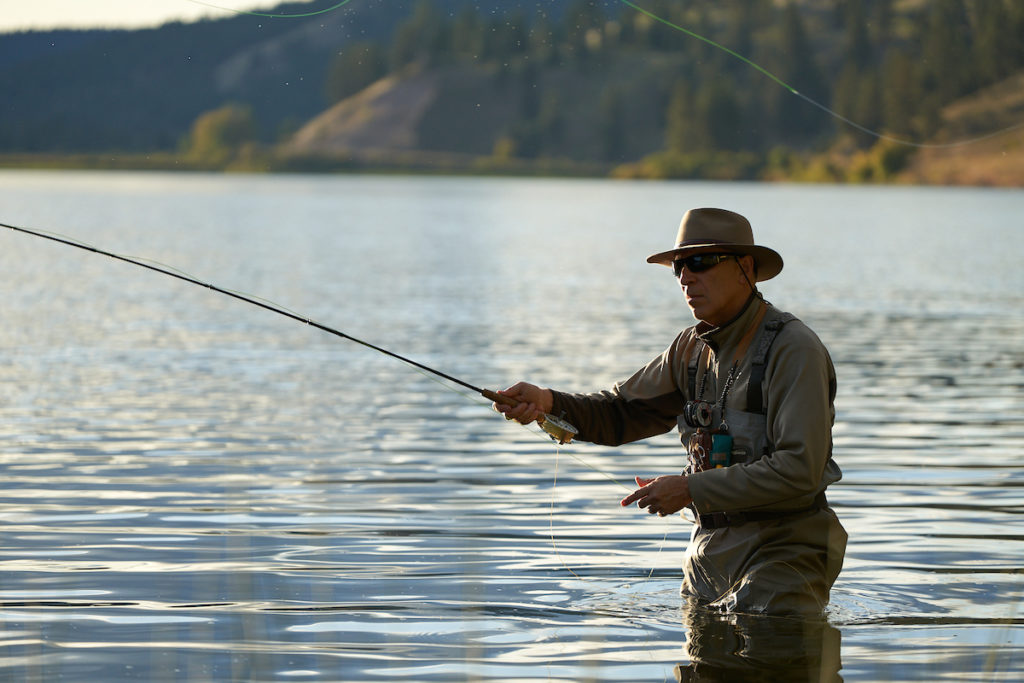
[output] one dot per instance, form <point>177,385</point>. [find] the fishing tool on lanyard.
<point>712,448</point>
<point>556,427</point>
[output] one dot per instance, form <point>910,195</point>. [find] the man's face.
<point>717,295</point>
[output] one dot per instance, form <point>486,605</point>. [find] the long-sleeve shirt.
<point>799,389</point>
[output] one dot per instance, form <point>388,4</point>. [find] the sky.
<point>17,15</point>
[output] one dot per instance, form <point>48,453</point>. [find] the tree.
<point>218,135</point>
<point>551,119</point>
<point>744,19</point>
<point>542,42</point>
<point>353,69</point>
<point>858,44</point>
<point>612,124</point>
<point>467,35</point>
<point>856,98</point>
<point>419,38</point>
<point>994,47</point>
<point>1015,27</point>
<point>681,135</point>
<point>882,22</point>
<point>946,54</point>
<point>794,117</point>
<point>708,119</point>
<point>718,109</point>
<point>529,88</point>
<point>507,37</point>
<point>583,20</point>
<point>900,92</point>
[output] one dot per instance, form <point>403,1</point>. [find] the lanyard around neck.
<point>739,354</point>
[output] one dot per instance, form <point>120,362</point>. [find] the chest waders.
<point>748,427</point>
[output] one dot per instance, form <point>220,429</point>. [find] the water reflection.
<point>740,648</point>
<point>196,490</point>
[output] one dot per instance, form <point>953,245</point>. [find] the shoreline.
<point>996,167</point>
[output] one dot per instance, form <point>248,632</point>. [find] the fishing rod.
<point>556,427</point>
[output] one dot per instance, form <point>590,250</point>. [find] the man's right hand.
<point>662,495</point>
<point>534,402</point>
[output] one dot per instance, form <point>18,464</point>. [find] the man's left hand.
<point>662,496</point>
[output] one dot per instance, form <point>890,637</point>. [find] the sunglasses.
<point>698,263</point>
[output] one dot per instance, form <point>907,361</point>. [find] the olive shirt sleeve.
<point>644,405</point>
<point>800,381</point>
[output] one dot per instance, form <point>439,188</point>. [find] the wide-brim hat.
<point>719,230</point>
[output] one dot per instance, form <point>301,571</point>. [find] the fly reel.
<point>556,427</point>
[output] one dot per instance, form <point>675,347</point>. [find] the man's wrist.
<point>547,401</point>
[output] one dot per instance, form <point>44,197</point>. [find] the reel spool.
<point>558,429</point>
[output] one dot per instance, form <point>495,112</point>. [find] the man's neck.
<point>705,326</point>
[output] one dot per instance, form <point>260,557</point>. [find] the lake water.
<point>197,489</point>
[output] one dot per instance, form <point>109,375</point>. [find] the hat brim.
<point>769,262</point>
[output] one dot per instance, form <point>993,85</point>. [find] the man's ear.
<point>746,263</point>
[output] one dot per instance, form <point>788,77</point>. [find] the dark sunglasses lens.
<point>702,262</point>
<point>698,263</point>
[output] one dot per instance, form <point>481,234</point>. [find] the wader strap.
<point>692,364</point>
<point>755,399</point>
<point>719,520</point>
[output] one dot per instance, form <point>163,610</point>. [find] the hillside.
<point>985,159</point>
<point>384,118</point>
<point>469,109</point>
<point>463,111</point>
<point>659,89</point>
<point>141,90</point>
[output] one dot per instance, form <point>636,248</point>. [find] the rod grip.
<point>499,398</point>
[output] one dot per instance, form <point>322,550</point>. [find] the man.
<point>751,391</point>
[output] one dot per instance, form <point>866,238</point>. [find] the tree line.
<point>886,69</point>
<point>594,81</point>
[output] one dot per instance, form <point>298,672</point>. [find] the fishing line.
<point>271,15</point>
<point>551,516</point>
<point>554,427</point>
<point>255,301</point>
<point>551,520</point>
<point>794,91</point>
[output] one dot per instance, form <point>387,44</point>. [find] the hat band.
<point>696,243</point>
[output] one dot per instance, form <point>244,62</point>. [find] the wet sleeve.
<point>800,382</point>
<point>644,405</point>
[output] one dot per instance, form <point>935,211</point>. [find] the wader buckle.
<point>718,520</point>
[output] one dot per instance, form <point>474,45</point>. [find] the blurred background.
<point>584,87</point>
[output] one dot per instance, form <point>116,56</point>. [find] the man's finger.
<point>632,498</point>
